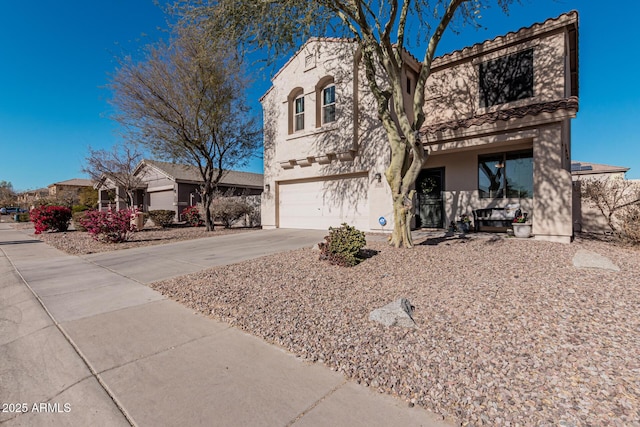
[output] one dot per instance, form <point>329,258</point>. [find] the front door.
<point>429,186</point>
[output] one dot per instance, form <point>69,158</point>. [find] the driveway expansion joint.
<point>316,403</point>
<point>75,347</point>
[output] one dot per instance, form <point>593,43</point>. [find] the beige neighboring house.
<point>29,197</point>
<point>497,130</point>
<point>69,190</point>
<point>585,170</point>
<point>170,186</point>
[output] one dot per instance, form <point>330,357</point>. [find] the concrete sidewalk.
<point>91,345</point>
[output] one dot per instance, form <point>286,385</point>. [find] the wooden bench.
<point>492,219</point>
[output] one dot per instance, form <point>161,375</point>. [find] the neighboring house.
<point>583,170</point>
<point>497,130</point>
<point>588,218</point>
<point>174,187</point>
<point>69,190</point>
<point>28,198</point>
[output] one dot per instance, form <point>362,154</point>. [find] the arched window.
<point>325,101</point>
<point>298,113</point>
<point>296,110</point>
<point>329,104</point>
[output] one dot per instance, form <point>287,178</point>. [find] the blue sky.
<point>55,59</point>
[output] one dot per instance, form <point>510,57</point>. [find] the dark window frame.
<point>506,79</point>
<point>503,185</point>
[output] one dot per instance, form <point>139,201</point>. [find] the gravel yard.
<point>510,333</point>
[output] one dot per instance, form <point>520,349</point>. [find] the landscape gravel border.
<point>509,332</point>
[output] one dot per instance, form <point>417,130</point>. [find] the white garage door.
<point>161,200</point>
<point>323,204</point>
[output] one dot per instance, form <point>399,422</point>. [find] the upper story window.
<point>299,113</point>
<point>506,79</point>
<point>295,110</point>
<point>329,104</point>
<point>325,101</point>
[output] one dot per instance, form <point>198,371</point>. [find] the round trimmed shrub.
<point>192,216</point>
<point>343,246</point>
<point>162,217</point>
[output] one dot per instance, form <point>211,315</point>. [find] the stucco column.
<point>552,198</point>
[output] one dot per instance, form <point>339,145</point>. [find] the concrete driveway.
<point>152,263</point>
<point>83,342</point>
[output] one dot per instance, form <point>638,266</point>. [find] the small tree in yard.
<point>185,102</point>
<point>614,198</point>
<point>230,209</point>
<point>118,165</point>
<point>381,30</point>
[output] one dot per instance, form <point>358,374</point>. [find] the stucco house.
<point>171,186</point>
<point>73,185</point>
<point>497,130</point>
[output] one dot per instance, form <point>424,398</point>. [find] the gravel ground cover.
<point>81,243</point>
<point>509,331</point>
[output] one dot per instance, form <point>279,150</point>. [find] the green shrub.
<point>228,210</point>
<point>162,217</point>
<point>79,208</point>
<point>23,217</point>
<point>343,246</point>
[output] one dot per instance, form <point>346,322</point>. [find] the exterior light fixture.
<point>267,188</point>
<point>378,177</point>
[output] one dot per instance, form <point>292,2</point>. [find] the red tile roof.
<point>570,103</point>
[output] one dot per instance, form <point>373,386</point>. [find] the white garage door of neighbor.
<point>161,200</point>
<point>322,204</point>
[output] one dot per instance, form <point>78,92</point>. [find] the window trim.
<point>298,114</point>
<point>504,156</point>
<point>331,104</point>
<point>322,84</point>
<point>291,101</point>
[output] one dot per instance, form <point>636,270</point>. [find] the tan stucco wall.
<point>354,144</point>
<point>452,91</point>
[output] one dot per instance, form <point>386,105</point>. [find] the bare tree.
<point>7,195</point>
<point>118,165</point>
<point>612,197</point>
<point>185,102</point>
<point>381,29</point>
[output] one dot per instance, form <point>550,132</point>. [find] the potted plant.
<point>521,225</point>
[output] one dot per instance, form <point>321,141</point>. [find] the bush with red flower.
<point>50,218</point>
<point>192,216</point>
<point>109,227</point>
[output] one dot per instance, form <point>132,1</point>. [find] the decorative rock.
<point>396,313</point>
<point>588,259</point>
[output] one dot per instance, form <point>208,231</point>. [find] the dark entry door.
<point>429,186</point>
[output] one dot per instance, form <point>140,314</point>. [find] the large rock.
<point>396,313</point>
<point>588,259</point>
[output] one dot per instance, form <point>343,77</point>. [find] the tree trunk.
<point>407,157</point>
<point>206,204</point>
